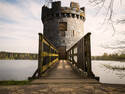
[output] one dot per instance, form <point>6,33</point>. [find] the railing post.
<point>50,51</point>
<point>70,55</point>
<point>40,57</point>
<point>81,54</point>
<point>88,57</point>
<point>73,56</point>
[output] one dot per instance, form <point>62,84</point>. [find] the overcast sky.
<point>20,24</point>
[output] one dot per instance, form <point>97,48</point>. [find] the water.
<point>17,69</point>
<point>108,75</point>
<point>22,69</point>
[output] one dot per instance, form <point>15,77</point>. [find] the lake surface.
<point>108,75</point>
<point>17,69</point>
<point>22,69</point>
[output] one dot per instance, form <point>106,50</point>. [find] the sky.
<point>20,23</point>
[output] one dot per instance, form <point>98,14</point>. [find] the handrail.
<point>78,41</point>
<point>79,55</point>
<point>48,55</point>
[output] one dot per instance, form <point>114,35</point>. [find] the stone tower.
<point>63,26</point>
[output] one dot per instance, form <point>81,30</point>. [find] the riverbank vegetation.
<point>15,56</point>
<point>14,82</point>
<point>105,56</point>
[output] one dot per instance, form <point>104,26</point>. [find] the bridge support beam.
<point>40,60</point>
<point>87,49</point>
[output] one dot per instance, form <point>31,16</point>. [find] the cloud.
<point>19,25</point>
<point>20,22</point>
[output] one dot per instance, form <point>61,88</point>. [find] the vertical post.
<point>40,57</point>
<point>80,54</point>
<point>69,55</point>
<point>83,55</point>
<point>72,56</point>
<point>88,48</point>
<point>50,51</point>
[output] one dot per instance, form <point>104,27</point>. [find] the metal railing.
<point>79,55</point>
<point>48,55</point>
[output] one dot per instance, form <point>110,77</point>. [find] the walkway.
<point>62,73</point>
<point>62,80</point>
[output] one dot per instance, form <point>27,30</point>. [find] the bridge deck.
<point>62,73</point>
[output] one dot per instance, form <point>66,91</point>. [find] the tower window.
<point>73,33</point>
<point>62,26</point>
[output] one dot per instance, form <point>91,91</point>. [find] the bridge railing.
<point>79,55</point>
<point>48,55</point>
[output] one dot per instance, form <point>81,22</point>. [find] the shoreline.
<point>109,60</point>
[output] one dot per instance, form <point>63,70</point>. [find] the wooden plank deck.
<point>62,73</point>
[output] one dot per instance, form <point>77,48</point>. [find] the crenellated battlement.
<point>57,12</point>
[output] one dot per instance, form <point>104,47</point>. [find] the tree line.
<point>12,55</point>
<point>106,56</point>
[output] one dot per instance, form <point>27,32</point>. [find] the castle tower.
<point>63,26</point>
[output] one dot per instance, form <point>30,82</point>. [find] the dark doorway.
<point>62,52</point>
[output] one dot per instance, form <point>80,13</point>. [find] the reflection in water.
<point>118,68</point>
<point>120,75</point>
<point>107,74</point>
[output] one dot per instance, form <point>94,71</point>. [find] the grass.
<point>14,82</point>
<point>114,67</point>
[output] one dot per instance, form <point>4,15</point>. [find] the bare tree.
<point>109,6</point>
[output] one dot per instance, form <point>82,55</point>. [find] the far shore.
<point>110,60</point>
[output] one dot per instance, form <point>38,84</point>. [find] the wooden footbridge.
<point>72,75</point>
<point>74,68</point>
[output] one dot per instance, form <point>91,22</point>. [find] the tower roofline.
<point>57,10</point>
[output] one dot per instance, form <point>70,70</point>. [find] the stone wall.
<point>75,28</point>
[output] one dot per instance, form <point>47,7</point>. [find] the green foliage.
<point>106,56</point>
<point>14,82</point>
<point>11,55</point>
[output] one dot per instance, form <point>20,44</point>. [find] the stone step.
<point>64,81</point>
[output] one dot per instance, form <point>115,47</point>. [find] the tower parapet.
<point>57,11</point>
<point>63,26</point>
